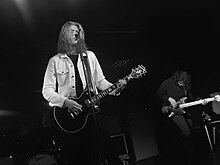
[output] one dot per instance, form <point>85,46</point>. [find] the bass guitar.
<point>70,122</point>
<point>178,110</point>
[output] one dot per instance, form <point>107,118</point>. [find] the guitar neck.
<point>105,92</point>
<point>196,102</point>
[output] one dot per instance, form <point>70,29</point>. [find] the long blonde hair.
<point>64,44</point>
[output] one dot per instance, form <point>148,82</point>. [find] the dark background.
<point>161,35</point>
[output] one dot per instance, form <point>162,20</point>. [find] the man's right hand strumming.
<point>73,106</point>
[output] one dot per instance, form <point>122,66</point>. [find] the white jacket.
<point>59,78</point>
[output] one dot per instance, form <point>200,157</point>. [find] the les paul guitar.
<point>178,110</point>
<point>69,122</point>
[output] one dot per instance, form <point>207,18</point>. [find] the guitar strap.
<point>87,72</point>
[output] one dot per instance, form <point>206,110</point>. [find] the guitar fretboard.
<point>196,102</point>
<point>105,92</point>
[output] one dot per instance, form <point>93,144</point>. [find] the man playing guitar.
<point>175,129</point>
<point>173,92</point>
<point>174,95</point>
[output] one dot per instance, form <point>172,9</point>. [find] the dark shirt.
<point>79,86</point>
<point>168,89</point>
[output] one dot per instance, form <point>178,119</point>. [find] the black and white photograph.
<point>120,82</point>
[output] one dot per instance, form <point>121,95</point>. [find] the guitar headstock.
<point>138,72</point>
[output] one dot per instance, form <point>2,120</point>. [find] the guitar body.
<point>69,122</point>
<point>171,111</point>
<point>176,114</point>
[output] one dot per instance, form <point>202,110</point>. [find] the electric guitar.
<point>70,122</point>
<point>178,110</point>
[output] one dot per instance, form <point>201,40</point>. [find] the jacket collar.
<point>63,56</point>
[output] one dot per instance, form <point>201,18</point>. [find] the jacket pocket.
<point>62,76</point>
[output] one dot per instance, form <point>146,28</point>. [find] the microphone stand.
<point>89,87</point>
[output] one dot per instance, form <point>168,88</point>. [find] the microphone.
<point>79,48</point>
<point>77,36</point>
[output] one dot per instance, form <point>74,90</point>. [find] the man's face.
<point>73,34</point>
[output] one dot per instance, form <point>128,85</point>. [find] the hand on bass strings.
<point>73,106</point>
<point>217,98</point>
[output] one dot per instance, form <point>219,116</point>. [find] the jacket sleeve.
<point>49,85</point>
<point>162,94</point>
<point>99,79</point>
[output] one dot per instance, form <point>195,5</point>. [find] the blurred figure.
<point>177,123</point>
